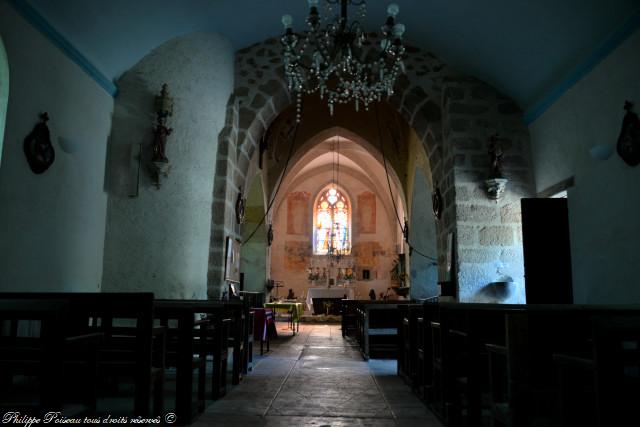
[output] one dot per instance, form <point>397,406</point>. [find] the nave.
<point>318,378</point>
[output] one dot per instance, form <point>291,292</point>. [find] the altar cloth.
<point>336,292</point>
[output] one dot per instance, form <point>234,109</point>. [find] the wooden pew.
<point>186,350</point>
<point>602,386</point>
<point>39,356</point>
<point>468,327</point>
<point>236,311</point>
<point>209,339</point>
<point>126,321</point>
<point>378,328</point>
<point>513,357</point>
<point>408,337</point>
<point>532,336</point>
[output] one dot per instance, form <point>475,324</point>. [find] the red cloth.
<point>263,317</point>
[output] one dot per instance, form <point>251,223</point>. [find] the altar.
<point>337,293</point>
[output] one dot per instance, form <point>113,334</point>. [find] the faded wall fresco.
<point>368,253</point>
<point>296,254</point>
<point>298,213</point>
<point>367,213</point>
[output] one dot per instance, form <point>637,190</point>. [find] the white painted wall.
<point>51,225</point>
<point>159,241</point>
<point>604,205</point>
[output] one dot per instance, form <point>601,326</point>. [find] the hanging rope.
<point>275,194</point>
<point>403,227</point>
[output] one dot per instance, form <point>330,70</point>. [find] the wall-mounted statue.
<point>160,165</point>
<point>497,183</point>
<point>495,154</point>
<point>37,147</point>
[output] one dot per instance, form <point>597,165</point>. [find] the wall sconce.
<point>602,151</point>
<point>38,148</point>
<point>160,165</point>
<point>240,208</point>
<point>270,235</point>
<point>629,139</point>
<point>497,183</point>
<point>436,201</point>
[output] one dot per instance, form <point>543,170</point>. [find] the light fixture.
<point>331,58</point>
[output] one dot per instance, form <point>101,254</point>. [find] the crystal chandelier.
<point>330,58</point>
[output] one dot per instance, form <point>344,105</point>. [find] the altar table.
<point>294,309</point>
<point>336,292</point>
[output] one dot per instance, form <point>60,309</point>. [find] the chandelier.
<point>331,58</point>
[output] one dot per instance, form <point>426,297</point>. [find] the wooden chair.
<point>616,350</point>
<point>210,338</point>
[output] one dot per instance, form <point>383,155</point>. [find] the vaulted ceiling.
<point>522,47</point>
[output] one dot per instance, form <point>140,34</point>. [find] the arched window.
<point>332,223</point>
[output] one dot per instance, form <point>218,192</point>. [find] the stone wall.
<point>433,99</point>
<point>489,234</point>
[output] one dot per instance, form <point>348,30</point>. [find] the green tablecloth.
<point>295,308</point>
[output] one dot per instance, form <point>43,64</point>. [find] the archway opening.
<point>368,162</point>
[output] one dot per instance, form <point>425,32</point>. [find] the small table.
<point>294,309</point>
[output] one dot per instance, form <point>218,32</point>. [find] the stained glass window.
<point>332,228</point>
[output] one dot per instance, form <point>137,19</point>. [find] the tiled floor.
<point>316,378</point>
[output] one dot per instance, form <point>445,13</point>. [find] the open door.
<point>547,251</point>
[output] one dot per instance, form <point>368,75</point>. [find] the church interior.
<point>320,212</point>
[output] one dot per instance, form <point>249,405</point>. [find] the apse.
<point>335,221</point>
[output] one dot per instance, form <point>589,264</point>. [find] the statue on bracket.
<point>160,165</point>
<point>629,139</point>
<point>37,146</point>
<point>497,183</point>
<point>495,154</point>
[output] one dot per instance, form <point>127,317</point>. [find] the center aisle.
<point>317,378</point>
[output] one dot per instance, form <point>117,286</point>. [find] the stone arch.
<point>451,114</point>
<point>4,92</point>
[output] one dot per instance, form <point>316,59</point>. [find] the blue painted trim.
<point>614,40</point>
<point>41,24</point>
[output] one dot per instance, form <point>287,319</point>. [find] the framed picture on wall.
<point>232,264</point>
